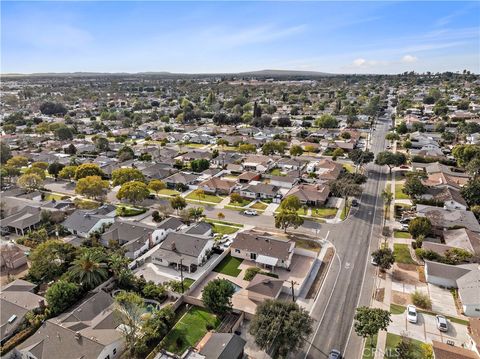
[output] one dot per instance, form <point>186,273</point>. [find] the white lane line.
<point>369,245</point>
<point>326,306</point>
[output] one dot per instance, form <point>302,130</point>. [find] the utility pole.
<point>292,283</point>
<point>181,274</point>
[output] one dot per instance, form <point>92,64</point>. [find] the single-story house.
<point>446,351</point>
<point>310,194</point>
<point>85,222</point>
<point>291,164</point>
<point>259,163</point>
<point>200,229</point>
<point>187,250</point>
<point>91,330</point>
<point>464,239</point>
<point>180,178</point>
<point>11,256</point>
<point>261,191</point>
<point>443,219</point>
<point>264,250</point>
<point>247,177</point>
<point>22,221</point>
<point>287,181</point>
<point>134,237</point>
<point>222,346</point>
<point>450,197</point>
<point>328,170</point>
<point>263,287</point>
<point>217,185</point>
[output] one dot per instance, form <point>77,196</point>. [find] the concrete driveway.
<point>442,301</point>
<point>426,329</point>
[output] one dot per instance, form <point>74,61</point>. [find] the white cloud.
<point>359,62</point>
<point>409,59</point>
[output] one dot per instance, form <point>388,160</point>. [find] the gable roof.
<point>269,246</point>
<point>310,192</point>
<point>223,346</point>
<point>265,285</point>
<point>445,351</point>
<point>446,218</point>
<point>82,220</point>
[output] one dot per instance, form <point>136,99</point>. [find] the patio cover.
<point>271,261</point>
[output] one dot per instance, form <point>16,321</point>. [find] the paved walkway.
<point>271,208</point>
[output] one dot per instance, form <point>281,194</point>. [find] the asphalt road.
<point>350,280</point>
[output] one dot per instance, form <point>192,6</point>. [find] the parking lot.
<point>426,330</point>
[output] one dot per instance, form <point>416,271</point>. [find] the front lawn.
<point>399,193</point>
<point>168,192</point>
<point>276,172</point>
<point>349,168</point>
<point>370,345</point>
<point>229,266</point>
<point>189,330</point>
<point>187,282</point>
<point>55,197</point>
<point>205,198</point>
<point>220,229</point>
<point>400,234</point>
<point>397,309</point>
<point>324,212</point>
<point>393,340</point>
<point>216,221</point>
<point>259,205</point>
<point>402,254</point>
<point>126,211</point>
<point>309,245</point>
<point>243,202</point>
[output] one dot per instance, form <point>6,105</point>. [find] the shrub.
<point>421,300</point>
<point>251,272</point>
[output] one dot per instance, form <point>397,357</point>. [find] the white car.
<point>412,315</point>
<point>442,323</point>
<point>250,212</point>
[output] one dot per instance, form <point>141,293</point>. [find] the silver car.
<point>442,323</point>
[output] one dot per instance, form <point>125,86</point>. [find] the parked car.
<point>373,261</point>
<point>412,315</point>
<point>355,203</point>
<point>405,226</point>
<point>335,354</point>
<point>250,212</point>
<point>442,323</point>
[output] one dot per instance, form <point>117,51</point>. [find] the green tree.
<point>178,203</point>
<point>30,181</point>
<point>390,159</point>
<point>156,185</point>
<point>326,121</point>
<point>288,215</point>
<point>387,196</point>
<point>49,260</point>
<point>89,269</point>
<point>88,169</point>
<point>54,169</point>
<point>67,172</point>
<point>281,325</point>
<point>5,153</point>
<point>102,144</point>
<point>64,133</point>
<point>420,226</point>
<point>414,187</point>
<point>130,309</point>
<point>71,149</point>
<point>247,148</point>
<point>402,128</point>
<point>125,153</point>
<point>296,150</point>
<point>17,161</point>
<point>133,191</point>
<point>200,165</point>
<point>384,257</point>
<point>473,167</point>
<point>61,295</point>
<point>465,153</point>
<point>154,291</point>
<point>92,187</point>
<point>337,152</point>
<point>471,192</point>
<point>369,321</point>
<point>217,295</point>
<point>392,136</point>
<point>345,187</point>
<point>123,175</point>
<point>35,170</point>
<point>359,157</point>
<point>41,165</point>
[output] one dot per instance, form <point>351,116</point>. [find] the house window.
<point>237,250</point>
<point>114,351</point>
<point>107,357</point>
<point>253,256</point>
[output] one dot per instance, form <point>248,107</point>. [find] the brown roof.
<point>474,331</point>
<point>445,351</point>
<point>248,176</point>
<point>265,285</point>
<point>441,179</point>
<point>269,246</point>
<point>310,192</point>
<point>217,183</point>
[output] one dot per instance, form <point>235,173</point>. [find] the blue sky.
<point>194,37</point>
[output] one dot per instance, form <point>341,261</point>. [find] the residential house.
<point>180,249</point>
<point>11,256</point>
<point>261,191</point>
<point>225,158</point>
<point>291,164</point>
<point>221,346</point>
<point>17,298</point>
<point>474,334</point>
<point>443,219</point>
<point>22,221</point>
<point>463,238</point>
<point>217,185</point>
<point>464,277</point>
<point>202,228</point>
<point>85,222</point>
<point>328,170</point>
<point>310,194</point>
<point>264,250</point>
<point>287,181</point>
<point>92,330</point>
<point>450,197</point>
<point>446,351</point>
<point>184,179</point>
<point>135,238</point>
<point>263,287</point>
<point>258,163</point>
<point>247,177</point>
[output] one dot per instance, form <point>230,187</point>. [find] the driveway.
<point>426,330</point>
<point>442,301</point>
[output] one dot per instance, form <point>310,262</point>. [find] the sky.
<point>217,37</point>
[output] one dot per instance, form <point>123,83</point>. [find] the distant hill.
<point>261,73</point>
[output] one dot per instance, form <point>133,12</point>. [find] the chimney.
<point>77,335</point>
<point>41,304</point>
<point>173,246</point>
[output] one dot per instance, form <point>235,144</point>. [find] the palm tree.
<point>387,198</point>
<point>117,263</point>
<point>89,269</point>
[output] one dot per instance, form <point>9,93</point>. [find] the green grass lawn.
<point>345,211</point>
<point>402,254</point>
<point>195,145</point>
<point>244,202</point>
<point>205,198</point>
<point>276,172</point>
<point>220,229</point>
<point>399,234</point>
<point>190,328</point>
<point>229,266</point>
<point>259,205</point>
<point>393,340</point>
<point>168,192</point>
<point>216,221</point>
<point>187,282</point>
<point>370,345</point>
<point>126,211</point>
<point>310,245</point>
<point>56,197</point>
<point>397,309</point>
<point>399,193</point>
<point>324,212</point>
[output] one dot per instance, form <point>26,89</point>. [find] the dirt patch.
<point>407,267</point>
<point>380,294</point>
<point>322,272</point>
<point>400,298</point>
<point>407,276</point>
<point>421,274</point>
<point>382,274</point>
<point>12,274</point>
